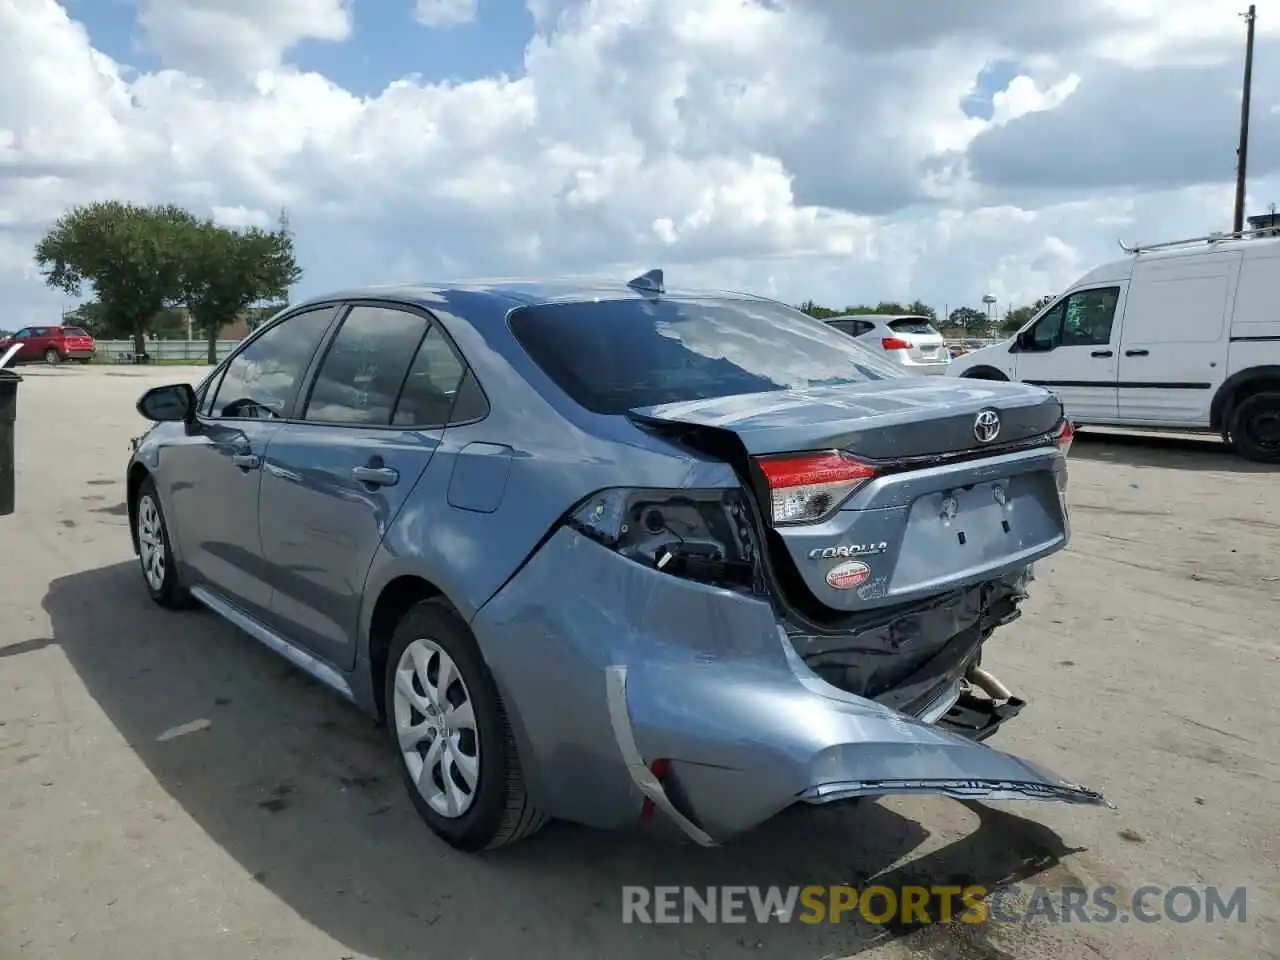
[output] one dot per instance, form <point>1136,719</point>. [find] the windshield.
<point>614,355</point>
<point>917,325</point>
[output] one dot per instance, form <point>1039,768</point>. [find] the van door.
<point>1071,349</point>
<point>1174,349</point>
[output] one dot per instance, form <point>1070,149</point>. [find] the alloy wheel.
<point>151,545</point>
<point>435,726</point>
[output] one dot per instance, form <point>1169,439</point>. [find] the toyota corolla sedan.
<point>613,553</point>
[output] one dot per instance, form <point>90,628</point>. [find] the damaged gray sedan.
<point>611,553</point>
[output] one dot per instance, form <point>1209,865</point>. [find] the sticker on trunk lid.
<point>846,576</point>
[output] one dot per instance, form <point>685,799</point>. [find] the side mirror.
<point>1026,340</point>
<point>173,403</point>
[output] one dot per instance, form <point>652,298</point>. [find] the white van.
<point>1182,335</point>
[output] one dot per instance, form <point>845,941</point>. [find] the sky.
<point>849,152</point>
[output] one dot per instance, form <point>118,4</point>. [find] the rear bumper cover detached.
<point>606,666</point>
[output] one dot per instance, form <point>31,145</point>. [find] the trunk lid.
<point>938,509</point>
<point>926,342</point>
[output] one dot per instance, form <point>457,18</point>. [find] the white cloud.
<point>798,147</point>
<point>444,13</point>
<point>241,217</point>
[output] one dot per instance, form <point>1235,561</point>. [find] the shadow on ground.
<point>299,788</point>
<point>1163,451</point>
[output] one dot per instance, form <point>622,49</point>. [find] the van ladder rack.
<point>1191,241</point>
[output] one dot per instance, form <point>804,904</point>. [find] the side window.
<point>432,384</point>
<point>1047,332</point>
<point>260,380</point>
<point>471,403</point>
<point>844,326</point>
<point>361,374</point>
<point>23,334</point>
<point>862,326</point>
<point>1089,316</point>
<point>42,331</point>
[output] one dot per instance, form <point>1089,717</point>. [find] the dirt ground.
<point>172,789</point>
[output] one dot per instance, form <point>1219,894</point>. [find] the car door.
<point>1174,348</point>
<point>213,475</point>
<point>23,339</point>
<point>335,481</point>
<point>1072,350</point>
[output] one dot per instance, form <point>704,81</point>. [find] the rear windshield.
<point>917,325</point>
<point>614,355</point>
<point>73,332</point>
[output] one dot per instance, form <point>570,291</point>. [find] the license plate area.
<point>958,533</point>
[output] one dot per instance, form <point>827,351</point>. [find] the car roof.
<point>513,292</point>
<point>880,316</point>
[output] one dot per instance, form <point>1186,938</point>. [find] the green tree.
<point>918,308</point>
<point>1015,317</point>
<point>816,311</point>
<point>967,318</point>
<point>129,255</point>
<point>226,271</point>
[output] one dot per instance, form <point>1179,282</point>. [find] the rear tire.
<point>1255,428</point>
<point>456,751</point>
<point>155,554</point>
<point>52,357</point>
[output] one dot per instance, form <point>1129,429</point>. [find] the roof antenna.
<point>650,282</point>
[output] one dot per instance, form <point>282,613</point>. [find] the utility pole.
<point>1242,152</point>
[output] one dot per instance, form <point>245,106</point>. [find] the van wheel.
<point>1255,428</point>
<point>448,725</point>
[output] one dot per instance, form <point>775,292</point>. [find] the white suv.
<point>911,341</point>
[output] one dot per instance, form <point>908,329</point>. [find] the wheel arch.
<point>396,598</point>
<point>984,372</point>
<point>133,483</point>
<point>1238,386</point>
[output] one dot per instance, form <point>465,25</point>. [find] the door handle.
<point>1101,353</point>
<point>376,476</point>
<point>1136,353</point>
<point>246,461</point>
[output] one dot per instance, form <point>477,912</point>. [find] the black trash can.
<point>8,414</point>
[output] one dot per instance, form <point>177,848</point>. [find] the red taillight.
<point>1065,436</point>
<point>660,769</point>
<point>809,486</point>
<point>894,343</point>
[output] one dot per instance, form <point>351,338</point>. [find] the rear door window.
<point>431,388</point>
<point>365,367</point>
<point>611,356</point>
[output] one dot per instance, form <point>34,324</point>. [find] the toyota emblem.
<point>986,426</point>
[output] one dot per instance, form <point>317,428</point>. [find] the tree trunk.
<point>212,333</point>
<point>139,343</point>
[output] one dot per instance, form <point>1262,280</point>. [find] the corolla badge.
<point>847,575</point>
<point>846,550</point>
<point>986,426</point>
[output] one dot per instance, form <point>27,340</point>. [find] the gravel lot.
<point>278,830</point>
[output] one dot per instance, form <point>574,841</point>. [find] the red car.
<point>51,344</point>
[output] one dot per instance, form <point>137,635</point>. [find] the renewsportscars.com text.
<point>934,904</point>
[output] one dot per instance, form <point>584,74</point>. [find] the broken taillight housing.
<point>702,535</point>
<point>807,487</point>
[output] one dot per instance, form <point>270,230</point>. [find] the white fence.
<point>162,351</point>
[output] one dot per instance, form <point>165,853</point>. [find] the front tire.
<point>450,730</point>
<point>155,554</point>
<point>1255,428</point>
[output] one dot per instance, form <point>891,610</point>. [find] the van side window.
<point>1089,317</point>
